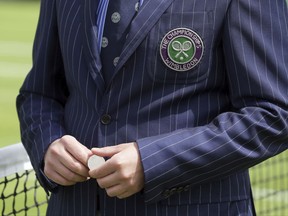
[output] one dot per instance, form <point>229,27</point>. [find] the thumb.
<point>108,151</point>
<point>80,152</point>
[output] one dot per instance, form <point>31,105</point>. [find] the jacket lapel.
<point>149,14</point>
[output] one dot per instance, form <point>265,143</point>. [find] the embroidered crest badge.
<point>181,49</point>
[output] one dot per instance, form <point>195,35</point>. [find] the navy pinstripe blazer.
<point>198,131</point>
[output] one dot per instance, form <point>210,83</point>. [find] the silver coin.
<point>95,161</point>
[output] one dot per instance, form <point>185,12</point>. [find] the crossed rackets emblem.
<point>181,49</point>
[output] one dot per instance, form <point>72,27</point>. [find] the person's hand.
<point>121,175</point>
<point>65,161</point>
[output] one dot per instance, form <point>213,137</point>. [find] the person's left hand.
<point>122,174</point>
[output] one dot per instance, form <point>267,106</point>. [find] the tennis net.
<point>21,193</point>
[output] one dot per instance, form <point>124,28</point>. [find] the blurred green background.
<point>18,20</point>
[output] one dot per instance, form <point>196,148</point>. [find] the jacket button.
<point>105,119</point>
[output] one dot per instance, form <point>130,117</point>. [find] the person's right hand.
<point>65,161</point>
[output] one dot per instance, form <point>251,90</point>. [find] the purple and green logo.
<point>181,49</point>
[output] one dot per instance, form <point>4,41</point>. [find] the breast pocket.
<point>180,48</point>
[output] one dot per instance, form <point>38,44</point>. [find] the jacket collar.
<point>149,13</point>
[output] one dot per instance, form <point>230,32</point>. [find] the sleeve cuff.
<point>45,182</point>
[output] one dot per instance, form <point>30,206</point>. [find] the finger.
<point>124,195</point>
<point>59,179</point>
<point>76,149</point>
<point>56,176</point>
<point>74,165</point>
<point>62,180</point>
<point>72,154</point>
<point>70,175</point>
<point>108,151</point>
<point>108,181</point>
<point>61,175</point>
<point>115,191</point>
<point>106,169</point>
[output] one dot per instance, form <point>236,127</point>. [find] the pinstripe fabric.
<point>198,131</point>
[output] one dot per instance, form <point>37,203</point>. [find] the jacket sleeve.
<point>43,94</point>
<point>254,42</point>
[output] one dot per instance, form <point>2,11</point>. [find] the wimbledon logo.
<point>181,49</point>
